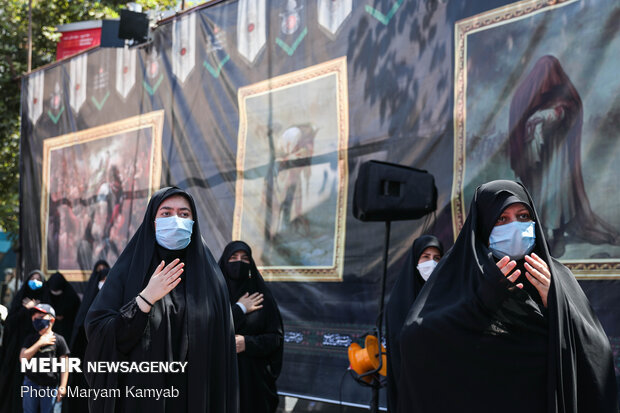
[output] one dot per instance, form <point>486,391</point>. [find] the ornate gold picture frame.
<point>498,51</point>
<point>95,187</point>
<point>292,173</point>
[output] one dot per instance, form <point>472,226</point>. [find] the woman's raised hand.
<point>506,266</point>
<point>163,280</point>
<point>251,302</point>
<point>539,275</point>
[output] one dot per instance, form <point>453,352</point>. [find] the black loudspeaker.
<point>133,26</point>
<point>390,192</point>
<point>109,34</point>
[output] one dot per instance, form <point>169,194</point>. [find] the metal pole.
<point>29,35</point>
<point>383,280</point>
<point>374,403</point>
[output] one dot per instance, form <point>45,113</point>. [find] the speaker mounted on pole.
<point>133,26</point>
<point>390,192</point>
<point>387,192</point>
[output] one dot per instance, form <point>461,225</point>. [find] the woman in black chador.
<point>18,326</point>
<point>78,339</point>
<point>66,303</point>
<point>165,300</point>
<point>420,263</point>
<point>258,329</point>
<point>503,326</point>
<point>95,282</point>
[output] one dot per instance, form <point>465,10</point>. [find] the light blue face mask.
<point>173,233</point>
<point>515,239</point>
<point>35,284</point>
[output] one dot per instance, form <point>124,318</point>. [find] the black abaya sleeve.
<point>130,326</point>
<point>262,345</point>
<point>238,316</point>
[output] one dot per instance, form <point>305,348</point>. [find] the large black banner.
<point>264,111</point>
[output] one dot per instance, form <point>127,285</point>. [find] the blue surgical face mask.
<point>516,239</point>
<point>40,323</point>
<point>35,284</point>
<point>173,233</point>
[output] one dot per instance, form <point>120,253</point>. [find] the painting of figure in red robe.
<point>545,113</point>
<point>546,122</point>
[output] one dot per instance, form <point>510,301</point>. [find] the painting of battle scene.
<point>96,185</point>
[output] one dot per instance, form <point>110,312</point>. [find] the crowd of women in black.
<point>165,299</point>
<point>495,324</point>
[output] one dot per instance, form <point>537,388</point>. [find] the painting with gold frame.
<point>95,188</point>
<point>292,172</point>
<point>506,128</point>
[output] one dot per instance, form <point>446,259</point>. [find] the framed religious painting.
<point>96,185</point>
<point>292,173</point>
<point>536,91</point>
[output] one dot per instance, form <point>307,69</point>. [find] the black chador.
<point>260,363</point>
<point>66,303</point>
<point>78,338</point>
<point>192,323</point>
<point>406,288</point>
<point>474,342</point>
<point>18,325</point>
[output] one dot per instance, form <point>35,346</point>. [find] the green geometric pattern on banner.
<point>215,72</point>
<point>57,117</point>
<point>97,103</point>
<point>384,18</point>
<point>291,49</point>
<point>152,90</point>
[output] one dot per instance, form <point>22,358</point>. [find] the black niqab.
<point>261,362</point>
<point>17,326</point>
<point>474,342</point>
<point>404,292</point>
<point>192,323</point>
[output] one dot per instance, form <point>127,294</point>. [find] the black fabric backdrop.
<point>400,70</point>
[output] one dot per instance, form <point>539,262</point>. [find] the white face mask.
<point>426,268</point>
<point>100,284</point>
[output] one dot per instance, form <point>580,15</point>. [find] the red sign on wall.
<point>75,41</point>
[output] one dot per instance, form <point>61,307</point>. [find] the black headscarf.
<point>260,364</point>
<point>66,304</point>
<point>18,326</point>
<point>474,342</point>
<point>199,303</point>
<point>404,292</point>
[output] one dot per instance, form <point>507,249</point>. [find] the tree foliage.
<point>46,15</point>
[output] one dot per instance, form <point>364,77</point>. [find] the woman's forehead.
<point>516,207</point>
<point>431,250</point>
<point>35,275</point>
<point>175,201</point>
